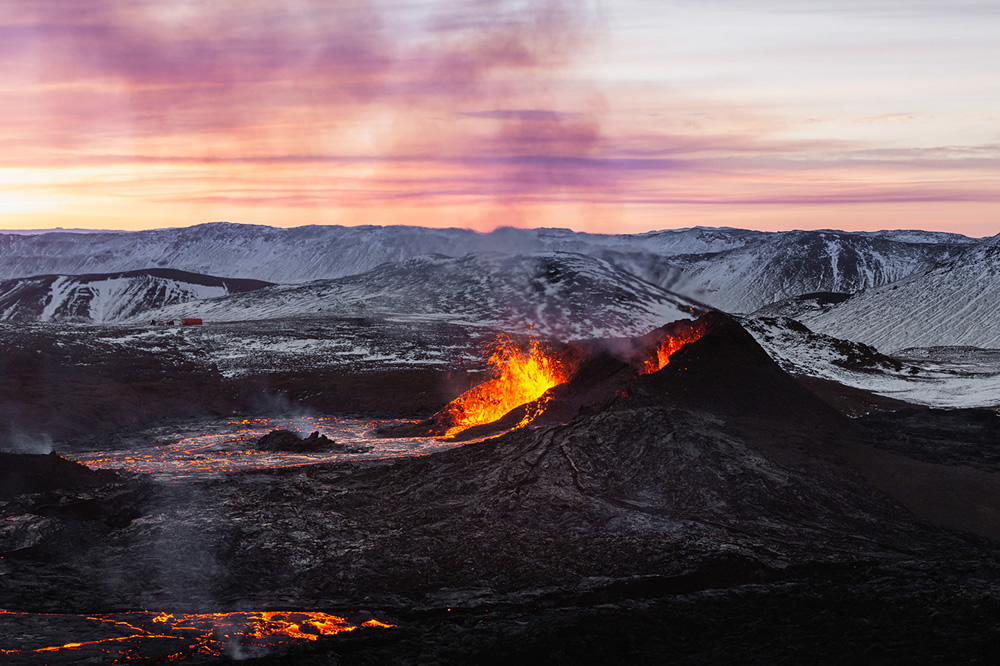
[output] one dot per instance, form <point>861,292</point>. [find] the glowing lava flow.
<point>215,447</point>
<point>521,377</point>
<point>672,343</point>
<point>145,636</point>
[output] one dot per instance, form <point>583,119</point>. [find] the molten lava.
<point>520,377</point>
<point>671,343</point>
<point>142,636</point>
<point>216,447</point>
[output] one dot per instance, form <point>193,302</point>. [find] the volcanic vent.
<point>526,377</point>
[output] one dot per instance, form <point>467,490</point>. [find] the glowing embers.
<point>681,334</point>
<point>520,376</point>
<point>143,636</point>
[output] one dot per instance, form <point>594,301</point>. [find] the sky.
<point>612,117</point>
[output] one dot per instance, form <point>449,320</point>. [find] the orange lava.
<point>672,343</point>
<point>520,377</point>
<point>143,636</point>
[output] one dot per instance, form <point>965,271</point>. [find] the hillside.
<point>784,265</point>
<point>954,303</point>
<point>561,294</point>
<point>733,269</point>
<point>109,297</point>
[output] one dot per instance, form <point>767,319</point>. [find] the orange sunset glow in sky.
<point>613,117</point>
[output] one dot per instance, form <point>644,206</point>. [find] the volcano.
<point>708,510</point>
<point>709,364</point>
<point>689,429</point>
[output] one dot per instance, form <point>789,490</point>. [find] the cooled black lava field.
<point>712,511</point>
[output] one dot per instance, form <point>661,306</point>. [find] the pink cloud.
<point>317,104</point>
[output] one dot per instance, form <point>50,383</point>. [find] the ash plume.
<point>533,133</point>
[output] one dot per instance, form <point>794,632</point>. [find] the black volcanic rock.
<point>31,473</point>
<point>74,387</point>
<point>286,440</point>
<point>290,442</point>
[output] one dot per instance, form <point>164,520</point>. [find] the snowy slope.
<point>803,306</point>
<point>561,294</point>
<point>784,265</point>
<point>952,377</point>
<point>955,303</point>
<point>315,252</point>
<point>108,297</point>
<point>733,269</point>
<point>918,236</point>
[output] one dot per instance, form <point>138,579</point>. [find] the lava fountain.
<point>681,333</point>
<point>520,376</point>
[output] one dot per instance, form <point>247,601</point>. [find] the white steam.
<point>17,441</point>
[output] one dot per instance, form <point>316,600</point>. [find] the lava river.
<point>205,448</point>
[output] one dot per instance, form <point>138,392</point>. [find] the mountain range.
<point>732,269</point>
<point>561,294</point>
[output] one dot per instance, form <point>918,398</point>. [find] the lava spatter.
<point>520,376</point>
<point>677,338</point>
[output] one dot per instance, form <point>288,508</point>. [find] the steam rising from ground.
<point>18,441</point>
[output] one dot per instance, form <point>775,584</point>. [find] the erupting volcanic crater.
<point>525,379</point>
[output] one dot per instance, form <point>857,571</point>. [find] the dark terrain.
<point>716,511</point>
<point>68,382</point>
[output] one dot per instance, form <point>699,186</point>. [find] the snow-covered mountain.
<point>732,269</point>
<point>567,295</point>
<point>940,377</point>
<point>783,265</point>
<point>308,253</point>
<point>954,303</point>
<point>803,306</point>
<point>108,297</point>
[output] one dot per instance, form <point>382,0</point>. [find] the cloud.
<point>360,103</point>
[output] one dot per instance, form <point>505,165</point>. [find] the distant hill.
<point>954,303</point>
<point>109,297</point>
<point>783,265</point>
<point>558,293</point>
